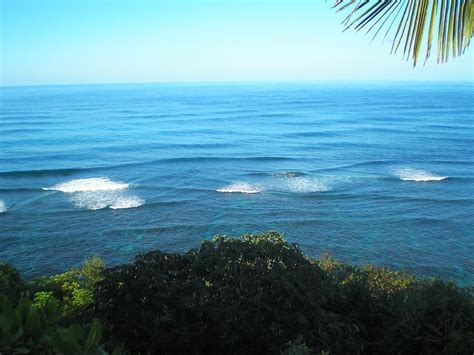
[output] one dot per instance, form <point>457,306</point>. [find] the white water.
<point>242,187</point>
<point>281,182</point>
<point>3,207</point>
<point>409,174</point>
<point>98,193</point>
<point>127,202</point>
<point>96,200</point>
<point>91,184</point>
<point>301,185</point>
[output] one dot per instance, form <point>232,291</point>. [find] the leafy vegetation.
<point>254,294</point>
<point>10,281</point>
<point>232,295</point>
<point>73,290</point>
<point>30,329</point>
<point>447,23</point>
<point>397,313</point>
<point>259,294</point>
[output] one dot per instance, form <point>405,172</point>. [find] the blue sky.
<point>109,41</point>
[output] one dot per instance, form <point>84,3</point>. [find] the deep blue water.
<point>116,170</point>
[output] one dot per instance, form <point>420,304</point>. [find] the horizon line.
<point>263,81</point>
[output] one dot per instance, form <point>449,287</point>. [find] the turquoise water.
<point>369,172</point>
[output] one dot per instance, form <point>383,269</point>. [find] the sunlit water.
<point>369,172</point>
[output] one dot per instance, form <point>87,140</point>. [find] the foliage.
<point>296,347</point>
<point>432,317</point>
<point>451,21</point>
<point>254,294</point>
<point>10,281</point>
<point>396,312</point>
<point>244,295</point>
<point>72,289</point>
<point>378,281</point>
<point>30,329</point>
<point>259,294</point>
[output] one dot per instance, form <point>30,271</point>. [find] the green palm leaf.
<point>447,23</point>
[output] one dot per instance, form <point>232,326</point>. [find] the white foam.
<point>93,200</point>
<point>91,184</point>
<point>304,185</point>
<point>300,185</point>
<point>3,207</point>
<point>242,187</point>
<point>409,174</point>
<point>98,193</point>
<point>127,202</point>
<point>96,200</point>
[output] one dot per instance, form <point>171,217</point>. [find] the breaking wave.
<point>98,193</point>
<point>302,185</point>
<point>96,200</point>
<point>281,182</point>
<point>419,175</point>
<point>3,207</point>
<point>127,202</point>
<point>242,187</point>
<point>91,184</point>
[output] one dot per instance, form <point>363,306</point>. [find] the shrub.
<point>29,329</point>
<point>254,294</point>
<point>296,347</point>
<point>248,295</point>
<point>259,294</point>
<point>72,289</point>
<point>431,317</point>
<point>10,281</point>
<point>398,313</point>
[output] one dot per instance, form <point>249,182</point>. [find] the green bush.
<point>398,313</point>
<point>296,347</point>
<point>259,294</point>
<point>73,289</point>
<point>248,295</point>
<point>30,329</point>
<point>431,317</point>
<point>254,294</point>
<point>10,282</point>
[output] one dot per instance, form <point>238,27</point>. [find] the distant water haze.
<point>377,172</point>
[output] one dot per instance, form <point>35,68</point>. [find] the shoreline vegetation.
<point>252,294</point>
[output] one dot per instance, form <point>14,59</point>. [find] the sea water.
<point>370,172</point>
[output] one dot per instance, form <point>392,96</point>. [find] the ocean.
<point>369,172</point>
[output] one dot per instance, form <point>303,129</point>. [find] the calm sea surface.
<point>369,172</point>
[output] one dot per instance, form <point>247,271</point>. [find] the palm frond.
<point>449,24</point>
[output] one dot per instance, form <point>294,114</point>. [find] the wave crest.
<point>242,187</point>
<point>303,185</point>
<point>127,202</point>
<point>409,174</point>
<point>98,193</point>
<point>287,174</point>
<point>96,200</point>
<point>282,182</point>
<point>3,207</point>
<point>91,184</point>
